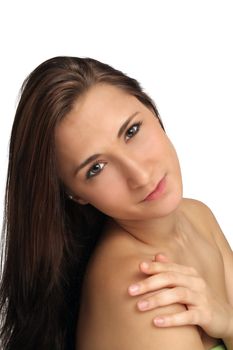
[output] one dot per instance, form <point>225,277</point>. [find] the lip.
<point>158,190</point>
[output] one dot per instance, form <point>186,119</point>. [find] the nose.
<point>136,171</point>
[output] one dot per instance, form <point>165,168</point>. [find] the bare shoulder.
<point>207,217</point>
<point>197,207</point>
<point>203,216</point>
<point>113,321</point>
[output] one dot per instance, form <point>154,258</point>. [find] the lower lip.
<point>158,192</point>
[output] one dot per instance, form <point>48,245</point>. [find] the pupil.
<point>130,132</point>
<point>96,167</point>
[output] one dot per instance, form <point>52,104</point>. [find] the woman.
<point>94,189</point>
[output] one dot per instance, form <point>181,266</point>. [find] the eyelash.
<point>88,176</point>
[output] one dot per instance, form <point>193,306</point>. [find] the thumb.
<point>161,257</point>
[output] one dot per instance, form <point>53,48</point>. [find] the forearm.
<point>228,340</point>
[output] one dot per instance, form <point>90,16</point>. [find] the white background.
<point>180,51</point>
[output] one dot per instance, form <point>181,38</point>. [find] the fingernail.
<point>145,265</point>
<point>134,288</point>
<point>143,304</point>
<point>159,321</point>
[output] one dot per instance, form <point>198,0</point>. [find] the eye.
<point>95,169</point>
<point>133,130</point>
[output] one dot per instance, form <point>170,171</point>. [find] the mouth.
<point>157,191</point>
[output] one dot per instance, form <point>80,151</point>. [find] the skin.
<point>137,230</point>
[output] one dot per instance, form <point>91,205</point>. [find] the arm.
<point>129,329</point>
<point>137,331</point>
<point>227,256</point>
<point>175,283</point>
<point>225,249</point>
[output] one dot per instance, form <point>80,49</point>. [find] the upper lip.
<point>154,189</point>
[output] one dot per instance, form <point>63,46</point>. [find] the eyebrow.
<point>97,155</point>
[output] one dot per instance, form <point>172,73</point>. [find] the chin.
<point>162,208</point>
<point>169,203</point>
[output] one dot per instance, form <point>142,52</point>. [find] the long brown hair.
<point>47,238</point>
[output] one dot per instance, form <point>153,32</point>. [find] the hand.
<point>175,283</point>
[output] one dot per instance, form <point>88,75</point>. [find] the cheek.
<point>105,189</point>
<point>144,146</point>
<point>155,146</point>
<point>173,155</point>
<point>109,201</point>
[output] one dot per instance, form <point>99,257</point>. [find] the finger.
<point>165,280</point>
<point>151,268</point>
<point>169,296</point>
<point>190,317</point>
<point>160,257</point>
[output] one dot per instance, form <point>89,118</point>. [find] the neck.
<point>154,230</point>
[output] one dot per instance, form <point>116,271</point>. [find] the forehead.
<point>102,107</point>
<point>101,103</point>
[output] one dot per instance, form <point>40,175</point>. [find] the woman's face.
<point>112,152</point>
